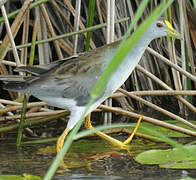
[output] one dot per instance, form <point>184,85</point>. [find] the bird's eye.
<point>159,25</point>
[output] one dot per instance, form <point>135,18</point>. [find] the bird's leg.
<point>88,125</point>
<point>115,142</point>
<point>129,139</point>
<point>61,139</point>
<point>87,122</point>
<point>111,140</point>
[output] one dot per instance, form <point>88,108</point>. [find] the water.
<point>89,158</point>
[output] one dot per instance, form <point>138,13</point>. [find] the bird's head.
<point>161,28</point>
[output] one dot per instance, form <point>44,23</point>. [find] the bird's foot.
<point>124,145</point>
<point>61,140</point>
<point>114,142</point>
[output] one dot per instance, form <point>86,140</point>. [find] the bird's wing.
<point>79,76</point>
<point>73,77</point>
<point>81,73</point>
<point>15,78</point>
<point>38,70</point>
<point>86,57</point>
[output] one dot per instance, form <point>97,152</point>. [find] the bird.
<point>67,83</point>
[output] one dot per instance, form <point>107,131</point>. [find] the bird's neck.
<point>138,49</point>
<point>134,55</point>
<point>129,63</point>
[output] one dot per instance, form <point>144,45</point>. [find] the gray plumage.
<point>67,83</point>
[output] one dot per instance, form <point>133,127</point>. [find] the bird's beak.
<point>171,32</point>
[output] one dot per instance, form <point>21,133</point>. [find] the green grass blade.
<point>99,87</point>
<point>21,124</point>
<point>66,146</point>
<point>188,81</point>
<point>194,3</point>
<point>91,9</point>
<point>33,45</point>
<point>125,48</point>
<point>137,16</point>
<point>66,35</point>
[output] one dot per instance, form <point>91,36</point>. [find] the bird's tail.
<point>16,86</point>
<point>15,82</point>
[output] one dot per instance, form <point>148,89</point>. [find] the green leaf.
<point>91,8</point>
<point>11,177</point>
<point>170,158</point>
<point>19,177</point>
<point>187,178</point>
<point>165,131</point>
<point>180,165</point>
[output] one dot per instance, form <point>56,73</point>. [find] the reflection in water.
<point>87,159</point>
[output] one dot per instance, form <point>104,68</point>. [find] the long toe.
<point>104,136</point>
<point>61,140</point>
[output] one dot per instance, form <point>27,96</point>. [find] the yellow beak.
<point>171,32</point>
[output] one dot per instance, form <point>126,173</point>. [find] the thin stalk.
<point>188,81</point>
<point>33,115</point>
<point>159,109</point>
<point>17,107</point>
<point>154,121</point>
<point>40,141</point>
<point>25,36</point>
<point>33,44</point>
<point>21,124</point>
<point>4,47</point>
<point>164,85</point>
<point>70,34</point>
<point>155,93</point>
<point>76,25</point>
<point>10,35</point>
<point>30,123</point>
<point>69,5</point>
<point>110,38</point>
<point>172,56</point>
<point>110,20</point>
<point>14,13</point>
<point>91,9</point>
<point>51,30</point>
<point>169,63</point>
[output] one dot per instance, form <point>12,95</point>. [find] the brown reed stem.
<point>148,119</point>
<point>157,108</point>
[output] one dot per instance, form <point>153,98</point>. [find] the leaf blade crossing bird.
<point>67,83</point>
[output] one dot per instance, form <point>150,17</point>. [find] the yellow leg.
<point>61,139</point>
<point>115,142</point>
<point>128,140</point>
